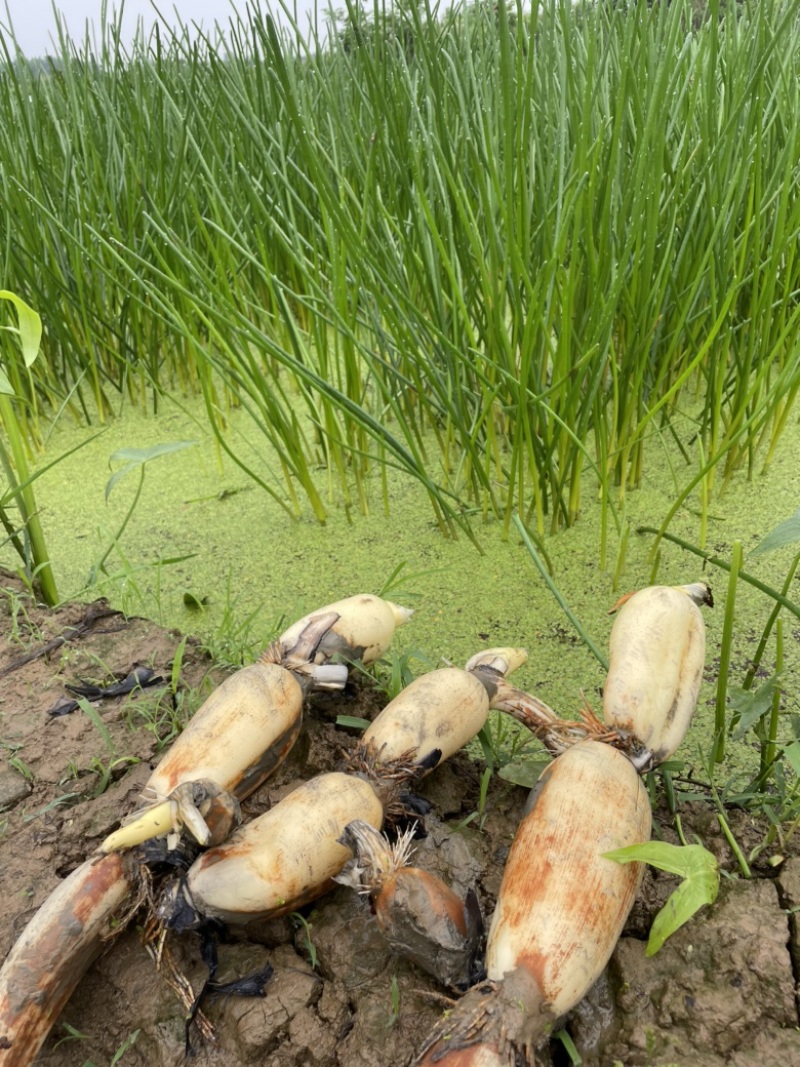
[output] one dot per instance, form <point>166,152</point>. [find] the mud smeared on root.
<point>390,778</point>
<point>497,1024</point>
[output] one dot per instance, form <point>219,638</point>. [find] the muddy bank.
<point>721,992</point>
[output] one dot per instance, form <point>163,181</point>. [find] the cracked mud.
<point>722,991</point>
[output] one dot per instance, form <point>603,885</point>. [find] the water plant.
<point>28,539</point>
<point>470,243</point>
<point>699,871</point>
<point>306,926</point>
<point>133,459</point>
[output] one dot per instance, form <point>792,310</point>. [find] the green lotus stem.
<point>770,749</point>
<point>725,653</point>
<point>20,480</point>
<point>551,585</point>
<point>775,594</point>
<point>19,477</point>
<point>773,617</point>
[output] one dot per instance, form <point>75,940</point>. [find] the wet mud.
<point>722,991</point>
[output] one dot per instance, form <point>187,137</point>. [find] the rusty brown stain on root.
<point>273,757</point>
<point>53,953</point>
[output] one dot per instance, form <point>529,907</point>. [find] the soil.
<point>722,991</point>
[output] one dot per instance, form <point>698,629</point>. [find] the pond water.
<point>203,531</point>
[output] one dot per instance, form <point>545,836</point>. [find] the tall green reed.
<point>501,250</point>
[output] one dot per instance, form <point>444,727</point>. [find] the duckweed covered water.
<point>202,532</point>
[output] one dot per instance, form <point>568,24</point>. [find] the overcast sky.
<point>34,23</point>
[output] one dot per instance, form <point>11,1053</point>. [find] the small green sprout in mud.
<point>694,864</point>
<point>303,924</point>
<point>394,990</point>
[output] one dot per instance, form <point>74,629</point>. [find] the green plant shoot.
<point>696,866</point>
<point>749,707</point>
<point>785,533</point>
<point>15,462</point>
<point>134,459</point>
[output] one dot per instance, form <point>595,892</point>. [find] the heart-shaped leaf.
<point>523,772</point>
<point>792,754</point>
<point>30,327</point>
<point>785,533</point>
<point>751,705</point>
<point>696,866</point>
<point>134,458</point>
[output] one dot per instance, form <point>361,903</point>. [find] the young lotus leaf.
<point>29,331</point>
<point>785,533</point>
<point>700,873</point>
<point>792,755</point>
<point>136,458</point>
<point>523,772</point>
<point>750,707</point>
<point>354,721</point>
